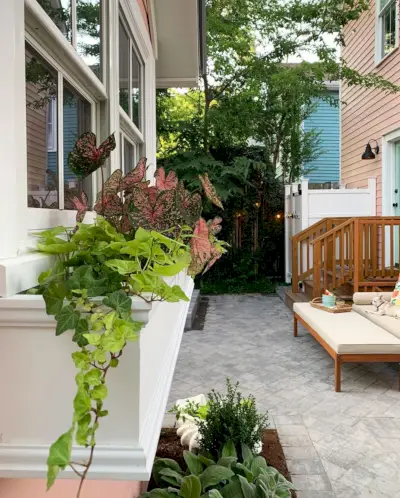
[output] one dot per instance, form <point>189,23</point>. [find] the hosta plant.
<point>228,477</point>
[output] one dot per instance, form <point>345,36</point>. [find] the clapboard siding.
<point>325,120</point>
<point>366,113</point>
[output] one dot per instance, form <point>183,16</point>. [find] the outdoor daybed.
<point>357,336</point>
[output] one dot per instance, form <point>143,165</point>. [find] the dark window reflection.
<point>41,131</point>
<point>60,13</point>
<point>136,81</point>
<point>124,85</point>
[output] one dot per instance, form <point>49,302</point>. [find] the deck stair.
<point>345,255</point>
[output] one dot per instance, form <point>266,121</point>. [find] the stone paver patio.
<point>340,445</point>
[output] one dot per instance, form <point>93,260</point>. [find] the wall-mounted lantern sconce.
<point>368,154</point>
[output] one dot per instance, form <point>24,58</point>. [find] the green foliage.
<point>230,476</point>
<point>230,417</point>
<point>89,291</point>
<point>190,408</point>
<point>236,285</point>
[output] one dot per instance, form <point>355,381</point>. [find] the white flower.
<point>258,448</point>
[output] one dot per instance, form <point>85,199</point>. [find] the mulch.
<point>169,446</point>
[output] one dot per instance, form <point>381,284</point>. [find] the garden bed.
<point>169,446</point>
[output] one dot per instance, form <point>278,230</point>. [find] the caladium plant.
<point>129,202</point>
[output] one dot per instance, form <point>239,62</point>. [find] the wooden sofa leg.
<point>338,376</point>
<point>294,326</point>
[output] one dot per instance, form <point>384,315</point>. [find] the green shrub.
<point>231,417</point>
<point>230,477</point>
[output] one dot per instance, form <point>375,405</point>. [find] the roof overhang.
<point>180,27</point>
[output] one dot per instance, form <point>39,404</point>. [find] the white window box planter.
<point>37,388</point>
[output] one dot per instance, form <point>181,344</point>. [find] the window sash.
<point>380,39</point>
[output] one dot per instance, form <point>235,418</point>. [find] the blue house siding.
<point>325,120</point>
<point>70,124</point>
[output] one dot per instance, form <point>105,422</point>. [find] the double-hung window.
<point>59,108</point>
<point>131,102</point>
<point>387,38</point>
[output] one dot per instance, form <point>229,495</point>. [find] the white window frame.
<point>379,28</point>
<point>51,125</point>
<point>25,21</point>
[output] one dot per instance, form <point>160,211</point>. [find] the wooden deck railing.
<point>302,250</point>
<point>362,251</point>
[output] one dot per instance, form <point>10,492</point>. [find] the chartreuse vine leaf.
<point>119,301</point>
<point>123,267</point>
<point>57,247</point>
<point>81,359</point>
<point>99,392</point>
<point>114,342</point>
<point>93,339</point>
<point>82,432</point>
<point>52,232</point>
<point>59,456</point>
<point>190,487</point>
<point>93,377</point>
<point>81,404</point>
<point>67,319</point>
<point>172,269</point>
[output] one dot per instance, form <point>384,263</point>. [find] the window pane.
<point>123,68</point>
<point>129,156</point>
<point>76,120</point>
<point>389,29</point>
<point>60,12</point>
<point>88,33</point>
<point>136,77</point>
<point>41,130</point>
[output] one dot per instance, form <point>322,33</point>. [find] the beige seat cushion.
<point>388,323</point>
<point>349,333</point>
<point>367,297</point>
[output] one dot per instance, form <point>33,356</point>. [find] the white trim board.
<point>388,160</point>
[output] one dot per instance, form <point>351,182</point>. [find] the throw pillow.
<point>396,293</point>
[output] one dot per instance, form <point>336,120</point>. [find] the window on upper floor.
<point>387,28</point>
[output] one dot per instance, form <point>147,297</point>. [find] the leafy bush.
<point>231,417</point>
<point>230,477</point>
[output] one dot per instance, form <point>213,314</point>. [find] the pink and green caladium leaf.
<point>81,205</point>
<point>214,226</point>
<point>210,191</point>
<point>163,182</point>
<point>86,158</point>
<point>134,177</point>
<point>200,243</point>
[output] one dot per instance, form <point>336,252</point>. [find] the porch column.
<point>13,159</point>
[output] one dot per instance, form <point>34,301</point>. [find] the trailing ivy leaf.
<point>52,473</point>
<point>82,404</point>
<point>99,392</point>
<point>213,475</point>
<point>93,377</point>
<point>82,432</point>
<point>113,343</point>
<point>60,450</point>
<point>109,319</point>
<point>81,359</point>
<point>190,487</point>
<point>54,297</point>
<point>193,462</point>
<point>99,355</point>
<point>93,339</point>
<point>81,329</point>
<point>119,301</point>
<point>67,319</point>
<point>82,278</point>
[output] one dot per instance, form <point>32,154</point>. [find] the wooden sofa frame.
<point>345,358</point>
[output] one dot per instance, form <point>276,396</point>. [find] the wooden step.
<point>295,297</point>
<point>344,292</point>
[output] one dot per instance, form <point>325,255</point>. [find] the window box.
<point>38,388</point>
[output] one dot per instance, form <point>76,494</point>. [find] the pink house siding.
<point>366,114</point>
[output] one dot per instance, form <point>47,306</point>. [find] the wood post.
<point>337,374</point>
<point>294,325</point>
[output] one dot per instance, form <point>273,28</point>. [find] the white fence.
<point>304,207</point>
